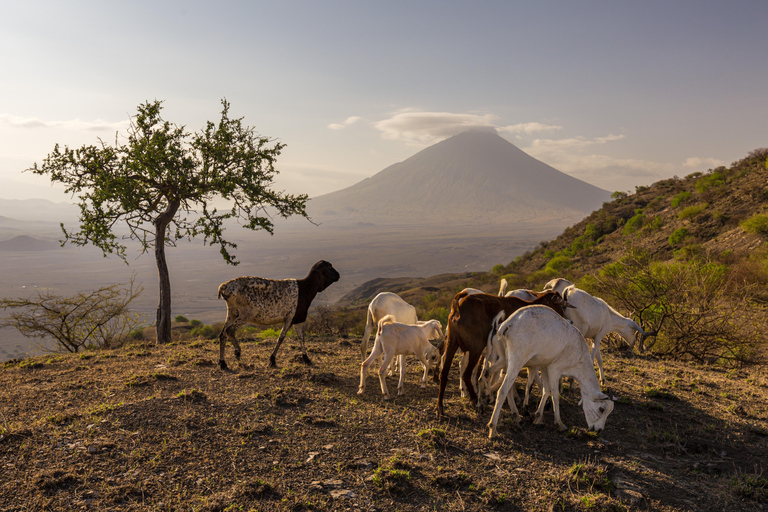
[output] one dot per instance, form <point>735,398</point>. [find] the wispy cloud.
<point>419,128</point>
<point>697,163</point>
<point>75,125</point>
<point>528,128</point>
<point>347,122</point>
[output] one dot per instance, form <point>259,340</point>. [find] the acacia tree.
<point>161,185</point>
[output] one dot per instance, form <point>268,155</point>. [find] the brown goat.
<point>470,322</point>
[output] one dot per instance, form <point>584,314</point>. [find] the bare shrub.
<point>697,306</point>
<point>99,319</point>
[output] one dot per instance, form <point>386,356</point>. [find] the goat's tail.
<point>455,303</point>
<point>503,287</point>
<point>221,287</point>
<point>389,319</point>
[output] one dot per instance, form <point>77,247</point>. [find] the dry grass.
<point>162,428</point>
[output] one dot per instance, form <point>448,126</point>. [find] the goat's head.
<point>597,411</point>
<point>328,274</point>
<point>433,361</point>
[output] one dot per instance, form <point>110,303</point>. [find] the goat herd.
<point>542,331</point>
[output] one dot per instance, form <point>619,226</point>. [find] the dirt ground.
<point>162,428</point>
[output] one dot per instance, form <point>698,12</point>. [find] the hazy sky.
<point>616,93</point>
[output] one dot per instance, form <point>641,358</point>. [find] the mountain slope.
<point>473,176</point>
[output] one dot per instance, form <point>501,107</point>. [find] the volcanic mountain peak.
<point>475,175</point>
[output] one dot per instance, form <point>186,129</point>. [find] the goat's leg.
<point>467,376</point>
<point>388,357</point>
<point>554,379</point>
<point>228,332</point>
<point>533,376</point>
<point>503,393</point>
<point>283,332</point>
<point>365,365</point>
<point>546,392</point>
<point>462,367</point>
<point>450,351</point>
<point>367,334</point>
<point>300,331</point>
<point>401,360</point>
<point>596,356</point>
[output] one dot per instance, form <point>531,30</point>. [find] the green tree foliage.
<point>161,184</point>
<point>100,319</point>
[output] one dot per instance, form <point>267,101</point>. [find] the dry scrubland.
<point>162,428</point>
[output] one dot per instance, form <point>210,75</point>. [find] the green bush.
<point>180,319</point>
<point>137,334</point>
<point>654,225</point>
<point>756,224</point>
<point>634,223</point>
<point>678,236</point>
<point>682,197</point>
<point>195,323</point>
<point>711,180</point>
<point>692,211</point>
<point>206,332</point>
<point>558,264</point>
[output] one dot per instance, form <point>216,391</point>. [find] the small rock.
<point>343,493</point>
<point>92,449</point>
<point>328,447</point>
<point>312,455</point>
<point>333,483</point>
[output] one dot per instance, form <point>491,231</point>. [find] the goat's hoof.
<point>272,363</point>
<point>561,427</point>
<point>386,397</point>
<point>360,392</point>
<point>492,434</point>
<point>306,360</point>
<point>222,364</point>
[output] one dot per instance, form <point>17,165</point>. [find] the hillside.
<point>709,206</point>
<point>162,428</point>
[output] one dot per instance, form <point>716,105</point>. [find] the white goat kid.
<point>386,303</point>
<point>537,336</point>
<point>398,339</point>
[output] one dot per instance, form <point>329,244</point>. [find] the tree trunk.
<point>163,325</point>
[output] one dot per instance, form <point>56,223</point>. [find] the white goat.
<point>386,303</point>
<point>493,372</point>
<point>595,319</point>
<point>398,339</point>
<point>537,336</point>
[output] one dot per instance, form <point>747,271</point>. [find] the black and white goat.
<point>261,301</point>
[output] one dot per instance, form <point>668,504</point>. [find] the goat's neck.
<point>584,373</point>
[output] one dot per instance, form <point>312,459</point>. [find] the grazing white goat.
<point>383,304</point>
<point>398,339</point>
<point>595,319</point>
<point>537,336</point>
<point>492,374</point>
